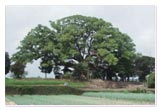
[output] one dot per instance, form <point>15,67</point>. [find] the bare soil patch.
<point>9,102</point>
<point>100,84</point>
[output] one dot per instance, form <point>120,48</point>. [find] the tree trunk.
<point>116,78</point>
<point>128,78</point>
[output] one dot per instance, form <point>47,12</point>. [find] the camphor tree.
<point>94,43</point>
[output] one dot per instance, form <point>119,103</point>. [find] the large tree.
<point>94,43</point>
<point>7,63</point>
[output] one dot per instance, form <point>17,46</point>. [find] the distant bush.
<point>67,75</point>
<point>42,90</point>
<point>151,81</point>
<point>139,90</point>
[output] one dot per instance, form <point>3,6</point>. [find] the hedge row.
<point>41,90</point>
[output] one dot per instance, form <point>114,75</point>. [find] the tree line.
<point>86,47</point>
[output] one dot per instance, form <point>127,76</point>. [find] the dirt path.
<point>100,84</point>
<point>9,102</point>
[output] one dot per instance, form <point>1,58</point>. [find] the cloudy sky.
<point>137,21</point>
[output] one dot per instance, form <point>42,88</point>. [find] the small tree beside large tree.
<point>18,68</point>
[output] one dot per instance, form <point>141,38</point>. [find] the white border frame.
<point>3,3</point>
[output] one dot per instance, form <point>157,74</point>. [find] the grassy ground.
<point>87,98</point>
<point>27,82</point>
<point>124,96</point>
<point>75,84</point>
<point>108,97</point>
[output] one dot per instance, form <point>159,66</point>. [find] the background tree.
<point>18,69</point>
<point>7,63</point>
<point>151,80</point>
<point>144,65</point>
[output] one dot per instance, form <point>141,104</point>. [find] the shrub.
<point>67,75</point>
<point>151,81</point>
<point>139,90</point>
<point>42,90</point>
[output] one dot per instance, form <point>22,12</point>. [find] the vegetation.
<point>141,90</point>
<point>32,82</point>
<point>151,81</point>
<point>95,44</point>
<point>49,91</point>
<point>18,69</point>
<point>42,90</point>
<point>86,99</point>
<point>94,48</point>
<point>124,96</point>
<point>46,67</point>
<point>78,48</point>
<point>67,75</point>
<point>144,65</point>
<point>7,63</point>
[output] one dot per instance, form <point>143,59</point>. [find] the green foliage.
<point>34,81</point>
<point>81,71</point>
<point>139,90</point>
<point>75,37</point>
<point>21,90</point>
<point>46,65</point>
<point>41,90</point>
<point>103,52</point>
<point>151,80</point>
<point>124,96</point>
<point>7,62</point>
<point>18,69</point>
<point>67,75</point>
<point>73,100</point>
<point>144,65</point>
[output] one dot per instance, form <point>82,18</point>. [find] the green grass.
<point>27,82</point>
<point>75,100</point>
<point>122,95</point>
<point>41,90</point>
<point>87,98</point>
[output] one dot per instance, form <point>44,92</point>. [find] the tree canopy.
<point>18,69</point>
<point>144,65</point>
<point>94,43</point>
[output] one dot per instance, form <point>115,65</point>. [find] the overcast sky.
<point>137,21</point>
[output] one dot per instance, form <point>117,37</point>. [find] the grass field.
<point>10,82</point>
<point>87,98</point>
<point>124,96</point>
